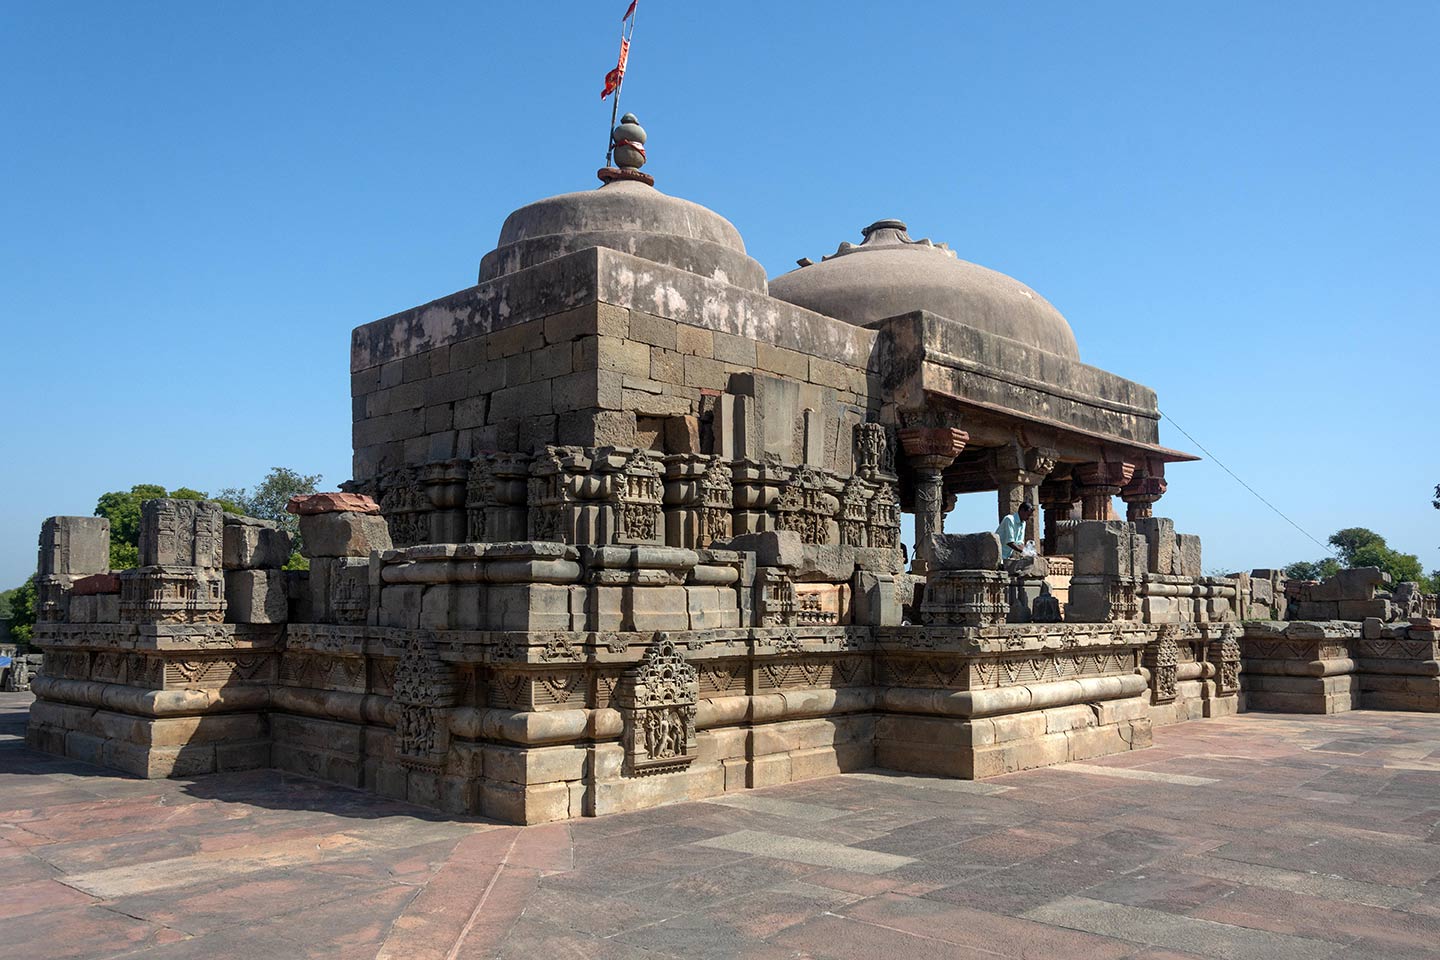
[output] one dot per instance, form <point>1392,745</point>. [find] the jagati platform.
<point>1250,836</point>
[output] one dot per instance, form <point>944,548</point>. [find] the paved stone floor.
<point>1259,836</point>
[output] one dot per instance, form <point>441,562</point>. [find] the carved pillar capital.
<point>929,450</point>
<point>1140,495</point>
<point>1018,473</point>
<point>935,447</point>
<point>1099,482</point>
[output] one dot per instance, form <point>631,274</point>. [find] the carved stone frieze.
<point>424,689</point>
<point>658,701</point>
<point>1162,659</point>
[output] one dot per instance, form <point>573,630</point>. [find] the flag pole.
<point>627,31</point>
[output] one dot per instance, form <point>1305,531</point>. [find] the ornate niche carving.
<point>874,451</point>
<point>777,597</point>
<point>658,702</point>
<point>479,499</point>
<point>884,520</point>
<point>805,506</point>
<point>1124,600</point>
<point>424,692</point>
<point>1162,659</point>
<point>854,513</point>
<point>1225,654</point>
<point>405,506</point>
<point>717,489</point>
<point>549,494</point>
<point>637,499</point>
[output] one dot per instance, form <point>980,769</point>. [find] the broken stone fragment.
<point>316,503</point>
<point>343,534</point>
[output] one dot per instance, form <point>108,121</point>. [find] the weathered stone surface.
<point>1159,534</point>
<point>1107,548</point>
<point>315,503</point>
<point>181,533</point>
<point>773,548</point>
<point>252,544</point>
<point>94,584</point>
<point>343,534</point>
<point>965,551</point>
<point>1188,556</point>
<point>256,596</point>
<point>74,546</point>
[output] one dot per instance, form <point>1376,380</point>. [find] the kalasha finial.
<point>628,143</point>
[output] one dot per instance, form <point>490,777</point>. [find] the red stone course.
<point>96,584</point>
<point>314,503</point>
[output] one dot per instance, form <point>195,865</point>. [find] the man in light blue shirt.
<point>1012,532</point>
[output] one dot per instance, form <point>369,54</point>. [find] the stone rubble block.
<point>1188,557</point>
<point>1109,548</point>
<point>74,546</point>
<point>317,503</point>
<point>1159,534</point>
<point>347,534</point>
<point>252,544</point>
<point>773,548</point>
<point>256,596</point>
<point>965,551</point>
<point>825,563</point>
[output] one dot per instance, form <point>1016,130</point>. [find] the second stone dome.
<point>631,217</point>
<point>889,274</point>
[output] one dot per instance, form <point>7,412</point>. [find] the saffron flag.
<point>616,76</point>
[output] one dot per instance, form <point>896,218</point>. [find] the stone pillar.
<point>1018,473</point>
<point>929,451</point>
<point>1140,495</point>
<point>1057,498</point>
<point>1099,482</point>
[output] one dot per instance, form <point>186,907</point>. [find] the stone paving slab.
<point>1257,836</point>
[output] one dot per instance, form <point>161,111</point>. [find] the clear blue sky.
<point>1234,203</point>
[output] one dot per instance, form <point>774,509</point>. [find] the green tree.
<point>1351,541</point>
<point>122,509</point>
<point>21,603</point>
<point>1361,547</point>
<point>268,499</point>
<point>1312,570</point>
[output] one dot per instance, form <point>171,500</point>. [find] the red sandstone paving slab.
<point>248,899</point>
<point>409,864</point>
<point>597,916</point>
<point>862,884</point>
<point>27,869</point>
<point>20,899</point>
<point>839,938</point>
<point>533,937</point>
<point>350,923</point>
<point>699,937</point>
<point>80,932</point>
<point>1298,915</point>
<point>1395,865</point>
<point>696,890</point>
<point>1003,935</point>
<point>765,913</point>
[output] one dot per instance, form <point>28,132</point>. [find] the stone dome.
<point>630,216</point>
<point>889,274</point>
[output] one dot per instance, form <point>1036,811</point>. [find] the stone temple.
<point>625,528</point>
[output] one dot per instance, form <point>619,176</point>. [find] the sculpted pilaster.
<point>1099,482</point>
<point>929,450</point>
<point>1140,495</point>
